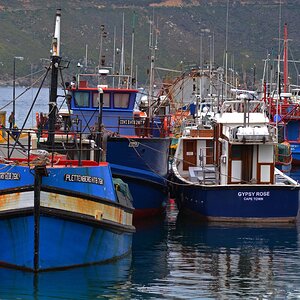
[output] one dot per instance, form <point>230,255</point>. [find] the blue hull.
<point>74,218</point>
<point>295,149</point>
<point>149,191</point>
<point>150,154</point>
<point>251,203</point>
<point>62,243</point>
<point>292,135</point>
<point>143,165</point>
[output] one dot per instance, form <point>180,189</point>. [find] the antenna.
<point>279,27</point>
<point>122,61</point>
<point>153,48</point>
<point>86,56</point>
<point>285,59</point>
<point>103,34</point>
<point>226,50</point>
<point>210,63</point>
<point>201,52</point>
<point>132,47</point>
<point>114,59</point>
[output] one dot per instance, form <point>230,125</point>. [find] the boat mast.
<point>153,48</point>
<point>122,60</point>
<point>132,48</point>
<point>114,59</point>
<point>55,60</point>
<point>86,56</point>
<point>226,50</point>
<point>285,60</point>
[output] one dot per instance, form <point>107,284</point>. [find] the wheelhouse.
<point>117,109</point>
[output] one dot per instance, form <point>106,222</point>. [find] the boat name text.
<point>9,176</point>
<point>254,196</point>
<point>83,178</point>
<point>131,122</point>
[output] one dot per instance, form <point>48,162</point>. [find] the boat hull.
<point>295,149</point>
<point>239,203</point>
<point>62,243</point>
<point>73,218</point>
<point>149,191</point>
<point>143,165</point>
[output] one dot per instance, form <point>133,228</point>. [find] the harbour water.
<point>179,259</point>
<point>176,258</point>
<point>23,102</point>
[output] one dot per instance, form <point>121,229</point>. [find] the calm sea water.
<point>23,102</point>
<point>175,258</point>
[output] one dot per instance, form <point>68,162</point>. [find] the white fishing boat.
<point>227,172</point>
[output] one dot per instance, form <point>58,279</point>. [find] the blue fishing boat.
<point>227,172</point>
<point>136,146</point>
<point>288,121</point>
<point>57,212</point>
<point>284,106</point>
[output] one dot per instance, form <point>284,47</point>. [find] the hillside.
<point>27,27</point>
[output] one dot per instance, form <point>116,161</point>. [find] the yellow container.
<point>2,125</point>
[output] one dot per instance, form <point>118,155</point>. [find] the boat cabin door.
<point>189,153</point>
<point>240,169</point>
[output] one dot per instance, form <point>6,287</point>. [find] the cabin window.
<point>236,152</point>
<point>121,100</point>
<point>105,100</point>
<point>81,99</point>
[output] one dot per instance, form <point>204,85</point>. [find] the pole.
<point>14,86</point>
<point>55,60</point>
<point>132,48</point>
<point>285,60</point>
<point>39,172</point>
<point>14,91</point>
<point>99,134</point>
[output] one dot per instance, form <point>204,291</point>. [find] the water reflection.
<point>108,281</point>
<point>149,256</point>
<point>233,261</point>
<point>177,258</point>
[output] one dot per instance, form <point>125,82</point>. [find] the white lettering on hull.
<point>254,196</point>
<point>83,179</point>
<point>10,176</point>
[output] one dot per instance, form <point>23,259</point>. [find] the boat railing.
<point>138,124</point>
<point>246,106</point>
<point>191,127</point>
<point>103,80</point>
<point>253,134</point>
<point>30,146</point>
<point>285,110</point>
<point>281,178</point>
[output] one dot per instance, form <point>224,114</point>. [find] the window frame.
<point>122,93</point>
<point>104,96</point>
<point>82,93</point>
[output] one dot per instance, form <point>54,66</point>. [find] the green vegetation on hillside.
<point>27,27</point>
